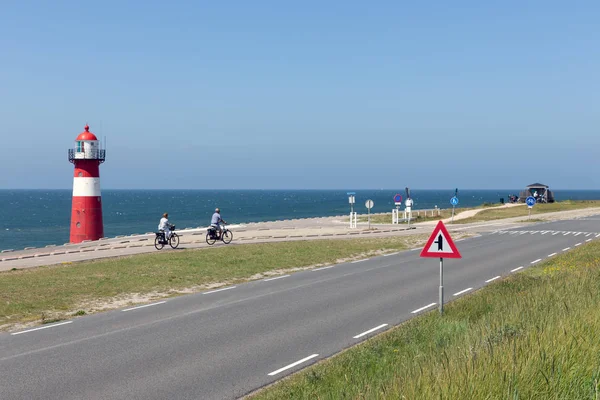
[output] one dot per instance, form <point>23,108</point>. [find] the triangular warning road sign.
<point>440,244</point>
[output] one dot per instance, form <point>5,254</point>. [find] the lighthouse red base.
<point>86,219</point>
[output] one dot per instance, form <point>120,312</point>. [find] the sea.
<point>36,218</point>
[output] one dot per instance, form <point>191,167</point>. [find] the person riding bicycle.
<point>216,221</point>
<point>165,226</point>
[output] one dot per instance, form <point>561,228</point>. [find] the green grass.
<point>523,211</point>
<point>534,335</point>
<point>60,291</point>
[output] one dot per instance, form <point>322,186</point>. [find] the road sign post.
<point>440,245</point>
<point>454,202</point>
<point>369,204</point>
<point>396,212</point>
<point>530,203</point>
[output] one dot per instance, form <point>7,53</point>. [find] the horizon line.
<point>275,189</point>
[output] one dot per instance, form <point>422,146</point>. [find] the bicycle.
<point>159,241</point>
<point>213,235</point>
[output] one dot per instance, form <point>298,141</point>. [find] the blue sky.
<point>336,94</point>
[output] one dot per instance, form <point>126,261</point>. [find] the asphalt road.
<point>224,344</point>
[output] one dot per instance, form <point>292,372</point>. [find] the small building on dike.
<point>541,192</point>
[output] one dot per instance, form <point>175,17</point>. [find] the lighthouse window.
<point>79,146</point>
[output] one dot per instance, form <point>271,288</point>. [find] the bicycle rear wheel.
<point>227,237</point>
<point>158,243</point>
<point>210,239</point>
<point>174,241</point>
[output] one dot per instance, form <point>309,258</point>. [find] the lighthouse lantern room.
<point>86,210</point>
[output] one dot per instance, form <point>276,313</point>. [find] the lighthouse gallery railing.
<point>99,155</point>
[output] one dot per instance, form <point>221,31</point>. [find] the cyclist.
<point>216,221</point>
<point>165,226</point>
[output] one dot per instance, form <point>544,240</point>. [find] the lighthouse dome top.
<point>86,135</point>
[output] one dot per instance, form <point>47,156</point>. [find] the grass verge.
<point>47,293</point>
<point>533,335</point>
<point>489,215</point>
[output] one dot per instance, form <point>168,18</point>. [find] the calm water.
<point>42,217</point>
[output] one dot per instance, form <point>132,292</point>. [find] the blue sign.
<point>530,201</point>
<point>398,198</point>
<point>454,201</point>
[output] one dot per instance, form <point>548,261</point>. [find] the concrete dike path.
<point>260,232</point>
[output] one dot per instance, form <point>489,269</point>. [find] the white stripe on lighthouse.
<point>86,187</point>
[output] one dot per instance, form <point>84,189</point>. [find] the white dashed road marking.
<point>293,364</point>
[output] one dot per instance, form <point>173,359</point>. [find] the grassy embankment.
<point>49,293</point>
<point>534,335</point>
<point>538,209</point>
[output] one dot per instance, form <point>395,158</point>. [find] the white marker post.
<point>351,201</point>
<point>440,245</point>
<point>408,209</point>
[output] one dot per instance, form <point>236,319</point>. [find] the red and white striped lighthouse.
<point>86,211</point>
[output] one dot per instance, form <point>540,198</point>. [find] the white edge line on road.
<point>534,261</point>
<point>144,306</point>
<point>370,330</point>
<point>220,290</point>
<point>578,244</point>
<point>566,248</point>
<point>463,291</point>
<point>322,268</point>
<point>42,327</point>
<point>551,255</point>
<point>391,254</point>
<point>492,279</point>
<point>416,248</point>
<point>277,277</point>
<point>357,261</point>
<point>516,269</point>
<point>423,308</point>
<point>293,364</point>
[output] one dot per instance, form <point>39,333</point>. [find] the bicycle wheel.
<point>227,237</point>
<point>174,241</point>
<point>210,240</point>
<point>158,243</point>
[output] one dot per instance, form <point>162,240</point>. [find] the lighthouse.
<point>86,210</point>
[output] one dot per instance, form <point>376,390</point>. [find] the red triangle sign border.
<point>440,227</point>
